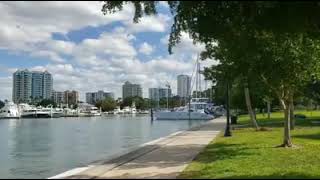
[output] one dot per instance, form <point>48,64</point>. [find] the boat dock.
<point>162,158</point>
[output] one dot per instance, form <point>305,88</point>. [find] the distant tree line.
<point>109,104</point>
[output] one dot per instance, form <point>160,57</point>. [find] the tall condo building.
<point>130,90</point>
<point>22,86</point>
<point>57,97</point>
<point>94,97</point>
<point>31,86</point>
<point>71,97</point>
<point>184,85</point>
<point>41,85</point>
<point>158,93</point>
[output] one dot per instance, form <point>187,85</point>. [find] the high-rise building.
<point>22,86</point>
<point>41,85</point>
<point>184,85</point>
<point>154,94</point>
<point>31,86</point>
<point>130,90</point>
<point>47,85</point>
<point>94,97</point>
<point>71,97</point>
<point>57,97</point>
<point>158,93</point>
<point>109,94</point>
<point>91,97</point>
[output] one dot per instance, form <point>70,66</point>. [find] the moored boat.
<point>9,111</point>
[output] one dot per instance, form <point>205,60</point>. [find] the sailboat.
<point>197,108</point>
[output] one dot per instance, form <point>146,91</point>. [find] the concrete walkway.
<point>164,158</point>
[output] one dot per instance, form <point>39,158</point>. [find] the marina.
<point>44,147</point>
<point>14,111</point>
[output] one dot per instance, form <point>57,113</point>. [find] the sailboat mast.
<point>199,76</point>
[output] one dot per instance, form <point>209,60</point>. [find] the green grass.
<point>253,154</point>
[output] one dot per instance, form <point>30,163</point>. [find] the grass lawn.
<point>253,154</point>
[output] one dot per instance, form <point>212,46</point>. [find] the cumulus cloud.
<point>102,63</point>
<point>6,88</point>
<point>25,24</point>
<point>153,23</point>
<point>146,48</point>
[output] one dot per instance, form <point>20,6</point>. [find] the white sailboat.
<point>196,109</point>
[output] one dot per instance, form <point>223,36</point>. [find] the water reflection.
<point>30,144</point>
<point>40,148</point>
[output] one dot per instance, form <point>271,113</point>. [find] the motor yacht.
<point>9,111</point>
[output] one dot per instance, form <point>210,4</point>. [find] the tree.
<point>46,102</point>
<point>139,102</point>
<point>1,104</point>
<point>312,91</point>
<point>276,42</point>
<point>108,104</point>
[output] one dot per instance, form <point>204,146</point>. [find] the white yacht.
<point>57,112</point>
<point>126,110</point>
<point>29,111</point>
<point>10,110</point>
<point>94,111</point>
<point>118,110</point>
<point>143,112</point>
<point>199,109</point>
<point>67,112</point>
<point>133,109</point>
<point>52,112</point>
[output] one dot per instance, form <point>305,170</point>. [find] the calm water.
<point>41,148</point>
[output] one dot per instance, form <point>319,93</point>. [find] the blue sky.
<point>87,51</point>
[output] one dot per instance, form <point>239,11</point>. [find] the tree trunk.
<point>287,137</point>
<point>269,108</point>
<point>292,120</point>
<point>250,111</point>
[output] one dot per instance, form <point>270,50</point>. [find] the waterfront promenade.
<point>162,158</point>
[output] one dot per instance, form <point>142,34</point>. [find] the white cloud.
<point>164,4</point>
<point>153,23</point>
<point>105,62</point>
<point>47,54</point>
<point>146,48</point>
<point>6,88</point>
<point>25,24</point>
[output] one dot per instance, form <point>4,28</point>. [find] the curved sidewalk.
<point>163,158</point>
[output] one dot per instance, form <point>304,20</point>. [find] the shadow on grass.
<point>308,136</point>
<point>279,122</point>
<point>220,151</point>
<point>290,175</point>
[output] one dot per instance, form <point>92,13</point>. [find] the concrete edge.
<point>93,164</point>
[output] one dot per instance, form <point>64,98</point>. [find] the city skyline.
<point>90,51</point>
<point>38,80</point>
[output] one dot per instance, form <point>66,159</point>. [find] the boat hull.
<point>35,116</point>
<point>9,117</point>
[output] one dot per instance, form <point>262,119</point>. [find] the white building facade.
<point>183,86</point>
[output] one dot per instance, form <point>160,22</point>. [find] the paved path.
<point>164,158</point>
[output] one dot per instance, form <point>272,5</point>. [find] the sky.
<point>87,51</point>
